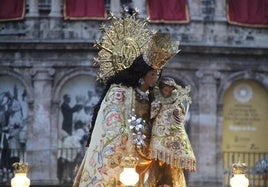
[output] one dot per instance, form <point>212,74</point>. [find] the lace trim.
<point>185,162</point>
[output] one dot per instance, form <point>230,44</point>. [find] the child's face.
<point>166,91</point>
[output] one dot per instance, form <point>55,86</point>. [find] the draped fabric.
<point>253,13</point>
<point>168,11</point>
<point>11,10</point>
<point>113,138</point>
<point>110,141</point>
<point>84,10</point>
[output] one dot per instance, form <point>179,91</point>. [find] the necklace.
<point>143,95</point>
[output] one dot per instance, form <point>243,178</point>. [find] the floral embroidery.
<point>170,142</point>
<point>116,95</point>
<point>114,160</point>
<point>113,117</point>
<point>110,141</point>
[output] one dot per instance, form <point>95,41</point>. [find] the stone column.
<point>55,10</point>
<point>40,149</point>
<point>115,7</point>
<point>33,8</point>
<point>55,21</point>
<point>207,152</point>
<point>32,23</point>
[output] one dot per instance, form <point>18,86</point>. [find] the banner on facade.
<point>84,10</point>
<point>245,117</point>
<point>12,10</point>
<point>168,11</point>
<point>250,13</point>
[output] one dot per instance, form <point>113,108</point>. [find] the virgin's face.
<point>151,78</point>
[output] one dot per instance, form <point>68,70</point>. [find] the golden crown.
<point>127,38</point>
<point>130,161</point>
<point>239,168</point>
<point>20,167</point>
<point>160,50</point>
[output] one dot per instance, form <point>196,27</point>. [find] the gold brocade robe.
<point>111,141</point>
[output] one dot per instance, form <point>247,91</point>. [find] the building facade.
<point>43,58</point>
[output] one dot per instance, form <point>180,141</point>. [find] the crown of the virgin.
<point>160,50</point>
<point>125,39</point>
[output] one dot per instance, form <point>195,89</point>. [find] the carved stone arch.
<point>186,78</point>
<point>56,91</point>
<point>58,86</point>
<point>66,77</point>
<point>62,78</point>
<point>26,82</point>
<point>246,75</point>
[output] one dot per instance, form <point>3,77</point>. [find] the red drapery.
<point>168,11</point>
<point>11,10</point>
<point>252,13</point>
<point>84,9</point>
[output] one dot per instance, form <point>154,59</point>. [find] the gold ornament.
<point>130,161</point>
<point>127,38</point>
<point>124,40</point>
<point>160,50</point>
<point>20,167</point>
<point>239,168</point>
<point>20,171</point>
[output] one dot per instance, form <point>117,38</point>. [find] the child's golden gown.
<point>169,141</point>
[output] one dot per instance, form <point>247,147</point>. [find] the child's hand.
<point>178,116</point>
<point>177,112</point>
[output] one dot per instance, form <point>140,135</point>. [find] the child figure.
<point>169,142</point>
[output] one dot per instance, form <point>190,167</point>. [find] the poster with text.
<point>245,117</point>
